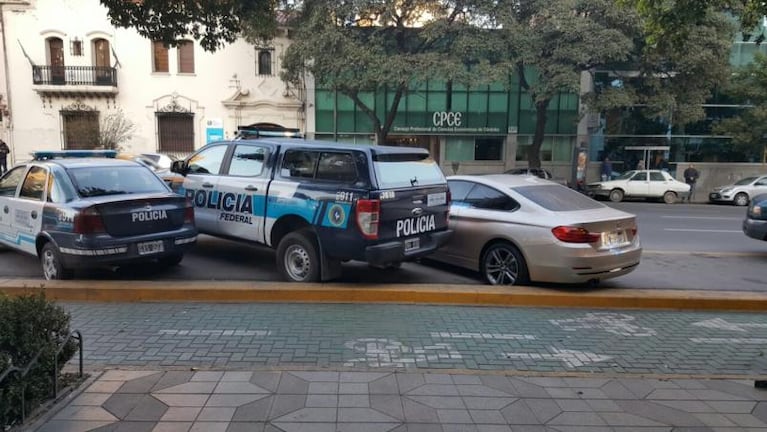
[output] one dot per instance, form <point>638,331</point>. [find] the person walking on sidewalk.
<point>691,177</point>
<point>607,169</point>
<point>4,150</point>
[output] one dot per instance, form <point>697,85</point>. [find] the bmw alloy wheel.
<point>501,266</point>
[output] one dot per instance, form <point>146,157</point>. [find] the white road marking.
<point>719,323</point>
<point>502,336</point>
<point>615,323</point>
<point>215,332</point>
<point>702,217</point>
<point>382,352</point>
<point>571,358</point>
<point>702,230</point>
<point>744,341</point>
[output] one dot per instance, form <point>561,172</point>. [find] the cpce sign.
<point>449,119</point>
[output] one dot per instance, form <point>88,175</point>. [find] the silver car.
<point>740,192</point>
<point>515,229</point>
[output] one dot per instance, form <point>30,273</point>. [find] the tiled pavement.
<point>329,401</point>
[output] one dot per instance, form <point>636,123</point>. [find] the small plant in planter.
<point>30,324</point>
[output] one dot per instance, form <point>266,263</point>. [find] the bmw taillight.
<point>570,234</point>
<point>88,221</point>
<point>368,215</point>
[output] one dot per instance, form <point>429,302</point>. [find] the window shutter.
<point>186,57</point>
<point>160,57</point>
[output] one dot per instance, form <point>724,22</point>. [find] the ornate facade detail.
<point>174,106</point>
<point>78,105</point>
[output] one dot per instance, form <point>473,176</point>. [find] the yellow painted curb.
<point>474,295</point>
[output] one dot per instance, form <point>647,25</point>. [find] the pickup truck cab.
<point>319,203</point>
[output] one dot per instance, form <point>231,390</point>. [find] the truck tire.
<point>298,258</point>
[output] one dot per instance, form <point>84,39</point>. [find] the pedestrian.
<point>691,177</point>
<point>607,169</point>
<point>640,164</point>
<point>4,150</point>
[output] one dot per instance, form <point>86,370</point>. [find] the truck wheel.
<point>298,259</point>
<point>53,268</point>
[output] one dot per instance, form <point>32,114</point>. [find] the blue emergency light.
<point>62,154</point>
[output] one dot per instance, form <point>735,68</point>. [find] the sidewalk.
<point>328,401</point>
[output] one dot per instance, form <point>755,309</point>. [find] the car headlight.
<point>755,211</point>
<point>726,190</point>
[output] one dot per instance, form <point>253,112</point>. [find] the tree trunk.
<point>534,153</point>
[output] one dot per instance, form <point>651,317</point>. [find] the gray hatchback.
<point>92,212</point>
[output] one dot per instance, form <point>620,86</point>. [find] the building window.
<point>76,47</point>
<point>474,149</point>
<point>101,60</point>
<point>264,62</point>
<point>176,132</point>
<point>55,51</point>
<point>159,57</point>
<point>81,129</point>
<point>186,57</point>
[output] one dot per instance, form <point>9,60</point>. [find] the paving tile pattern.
<point>291,401</point>
<point>409,337</point>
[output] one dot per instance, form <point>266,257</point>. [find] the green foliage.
<point>749,129</point>
<point>213,23</point>
<point>29,324</point>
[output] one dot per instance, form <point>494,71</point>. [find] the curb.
<point>469,295</point>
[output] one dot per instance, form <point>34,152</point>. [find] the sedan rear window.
<point>557,198</point>
<point>98,181</point>
<point>407,170</point>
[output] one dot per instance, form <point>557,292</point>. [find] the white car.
<point>740,192</point>
<point>641,184</point>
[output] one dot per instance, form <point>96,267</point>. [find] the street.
<point>685,247</point>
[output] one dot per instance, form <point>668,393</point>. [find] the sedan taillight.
<point>570,234</point>
<point>88,221</point>
<point>189,214</point>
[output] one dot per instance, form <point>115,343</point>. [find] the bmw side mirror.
<point>178,166</point>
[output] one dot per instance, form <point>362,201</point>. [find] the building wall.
<point>223,87</point>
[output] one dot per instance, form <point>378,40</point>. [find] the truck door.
<point>200,186</point>
<point>27,208</point>
<point>243,193</point>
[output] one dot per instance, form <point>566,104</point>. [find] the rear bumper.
<point>755,228</point>
<point>394,251</point>
<point>578,265</point>
<point>96,252</point>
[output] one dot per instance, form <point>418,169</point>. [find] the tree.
<point>213,23</point>
<point>551,42</point>
<point>114,130</point>
<point>749,129</point>
<point>362,46</point>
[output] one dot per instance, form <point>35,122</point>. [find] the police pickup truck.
<point>319,203</point>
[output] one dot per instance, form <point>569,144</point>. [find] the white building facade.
<point>67,67</point>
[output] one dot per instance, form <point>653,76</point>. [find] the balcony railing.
<point>74,75</point>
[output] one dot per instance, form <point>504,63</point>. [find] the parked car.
<point>641,184</point>
<point>538,172</point>
<point>740,192</point>
<point>515,229</point>
<point>755,223</point>
<point>92,212</point>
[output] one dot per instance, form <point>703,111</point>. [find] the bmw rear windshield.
<point>406,170</point>
<point>557,198</point>
<point>115,180</point>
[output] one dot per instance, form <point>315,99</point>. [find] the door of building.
<point>56,56</point>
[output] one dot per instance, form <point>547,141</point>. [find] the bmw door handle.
<point>251,188</point>
<point>207,185</point>
<point>34,214</point>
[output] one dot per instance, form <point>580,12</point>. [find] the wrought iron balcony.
<point>91,80</point>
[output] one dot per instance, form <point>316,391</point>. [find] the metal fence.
<point>74,75</point>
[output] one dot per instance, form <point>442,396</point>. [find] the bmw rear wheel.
<point>298,258</point>
<point>740,199</point>
<point>502,264</point>
<point>616,195</point>
<point>53,268</point>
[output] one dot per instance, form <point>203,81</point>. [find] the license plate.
<point>151,247</point>
<point>412,244</point>
<point>614,239</point>
<point>436,199</point>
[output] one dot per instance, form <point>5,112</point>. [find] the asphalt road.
<point>686,247</point>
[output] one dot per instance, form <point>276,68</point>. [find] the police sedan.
<point>92,212</point>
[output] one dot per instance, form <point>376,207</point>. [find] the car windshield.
<point>626,176</point>
<point>745,181</point>
<point>406,170</point>
<point>557,198</point>
<point>111,180</point>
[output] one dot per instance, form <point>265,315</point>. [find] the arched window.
<point>101,61</point>
<point>55,52</point>
<point>265,62</point>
